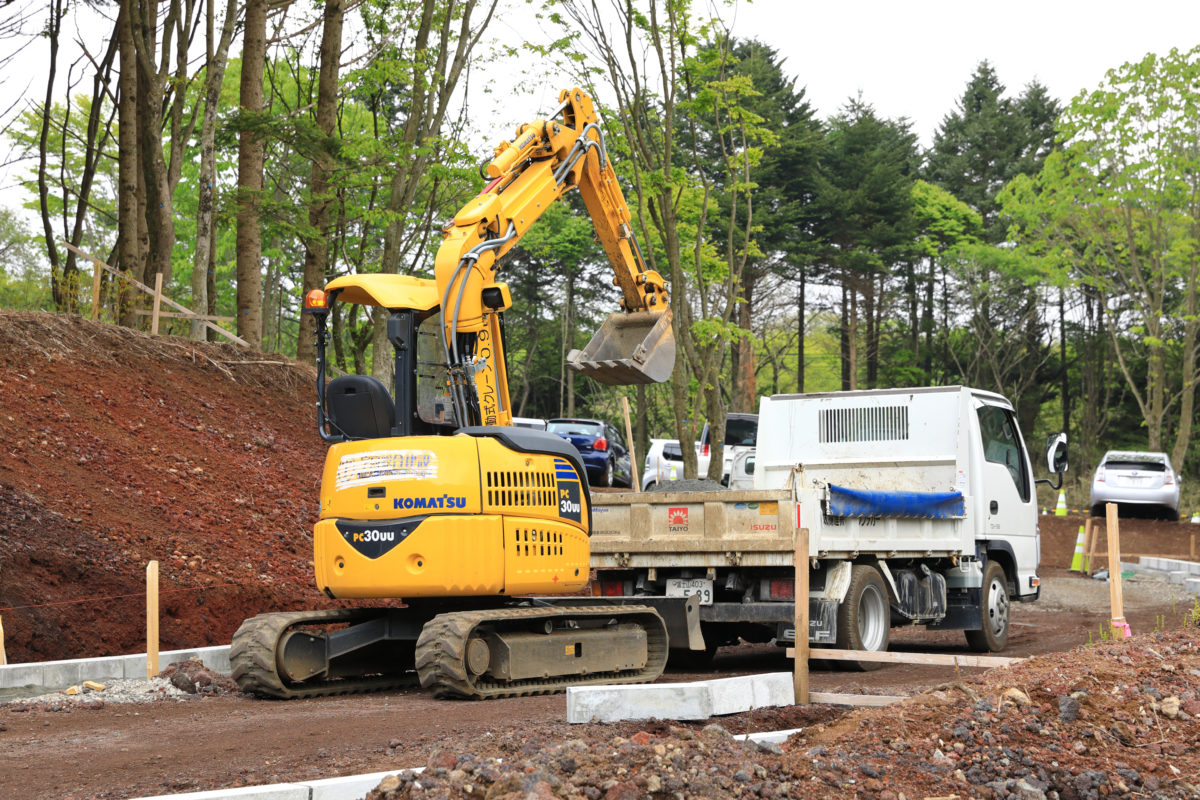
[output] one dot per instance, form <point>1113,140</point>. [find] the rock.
<point>1170,707</point>
<point>1024,790</point>
<point>1068,708</point>
<point>1017,696</point>
<point>181,681</point>
<point>71,690</point>
<point>869,771</point>
<point>389,784</point>
<point>625,790</point>
<point>941,758</point>
<point>95,687</point>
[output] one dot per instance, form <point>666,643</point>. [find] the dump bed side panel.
<point>693,529</point>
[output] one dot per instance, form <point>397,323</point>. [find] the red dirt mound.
<point>120,448</point>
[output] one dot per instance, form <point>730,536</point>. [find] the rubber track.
<point>441,648</point>
<point>253,651</point>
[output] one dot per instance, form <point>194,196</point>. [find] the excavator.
<point>475,530</point>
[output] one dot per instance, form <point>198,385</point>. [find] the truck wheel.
<point>864,617</point>
<point>995,610</point>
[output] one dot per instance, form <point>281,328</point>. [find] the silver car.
<point>1136,479</point>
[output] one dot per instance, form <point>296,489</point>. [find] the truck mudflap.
<point>822,623</point>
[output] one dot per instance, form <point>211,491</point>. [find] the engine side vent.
<point>529,542</point>
<point>521,490</point>
<point>868,424</point>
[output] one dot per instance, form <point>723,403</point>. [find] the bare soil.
<point>120,448</point>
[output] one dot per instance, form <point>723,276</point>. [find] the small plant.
<point>1160,623</point>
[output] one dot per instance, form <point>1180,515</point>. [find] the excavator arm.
<point>546,158</point>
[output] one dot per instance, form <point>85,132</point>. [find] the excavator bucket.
<point>628,349</point>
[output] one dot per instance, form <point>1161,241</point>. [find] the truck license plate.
<point>684,587</point>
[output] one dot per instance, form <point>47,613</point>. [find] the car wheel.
<point>995,612</point>
<point>864,617</point>
<point>607,478</point>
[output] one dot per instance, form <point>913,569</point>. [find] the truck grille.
<point>521,489</point>
<point>867,424</point>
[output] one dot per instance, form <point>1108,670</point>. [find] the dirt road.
<point>120,751</point>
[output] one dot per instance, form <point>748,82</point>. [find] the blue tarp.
<point>845,502</point>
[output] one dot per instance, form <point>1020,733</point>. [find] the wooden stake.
<point>1192,548</point>
<point>95,292</point>
<point>1094,527</point>
<point>157,304</point>
<point>633,470</point>
<point>1114,565</point>
<point>151,619</point>
<point>3,657</point>
<point>800,596</point>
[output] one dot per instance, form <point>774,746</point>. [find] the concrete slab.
<point>274,791</point>
<point>1178,576</point>
<point>649,701</point>
<point>351,787</point>
<point>735,695</point>
<point>1147,562</point>
<point>1192,585</point>
<point>769,737</point>
<point>60,674</point>
<point>17,675</point>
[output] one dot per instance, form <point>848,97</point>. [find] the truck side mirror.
<point>1056,453</point>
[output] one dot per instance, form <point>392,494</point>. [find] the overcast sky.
<point>910,59</point>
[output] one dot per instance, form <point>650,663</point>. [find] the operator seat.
<point>360,407</point>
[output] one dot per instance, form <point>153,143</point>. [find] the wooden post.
<point>633,464</point>
<point>1192,548</point>
<point>1094,527</point>
<point>800,662</point>
<point>95,291</point>
<point>1114,567</point>
<point>157,304</point>
<point>152,619</point>
<point>3,657</point>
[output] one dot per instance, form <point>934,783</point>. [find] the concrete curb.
<point>350,787</point>
<point>699,700</point>
<point>1176,570</point>
<point>60,674</point>
<point>355,787</point>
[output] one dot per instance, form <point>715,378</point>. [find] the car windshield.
<point>576,428</point>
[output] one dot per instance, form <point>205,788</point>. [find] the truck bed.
<point>753,528</point>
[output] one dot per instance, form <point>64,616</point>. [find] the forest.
<point>251,150</point>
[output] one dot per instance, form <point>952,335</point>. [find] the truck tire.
<point>864,617</point>
<point>994,612</point>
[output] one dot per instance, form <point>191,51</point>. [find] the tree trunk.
<point>160,217</point>
<point>316,245</point>
<point>128,163</point>
<point>744,367</point>
<point>801,325</point>
<point>53,29</point>
<point>250,177</point>
<point>215,63</point>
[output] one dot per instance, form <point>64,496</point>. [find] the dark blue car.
<point>604,454</point>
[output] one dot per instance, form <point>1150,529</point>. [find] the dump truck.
<point>920,509</point>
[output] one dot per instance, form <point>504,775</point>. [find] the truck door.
<point>1006,488</point>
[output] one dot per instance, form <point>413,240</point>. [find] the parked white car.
<point>1136,480</point>
<point>664,459</point>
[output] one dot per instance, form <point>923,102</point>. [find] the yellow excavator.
<point>431,497</point>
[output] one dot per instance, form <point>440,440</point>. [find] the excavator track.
<point>253,656</point>
<point>442,649</point>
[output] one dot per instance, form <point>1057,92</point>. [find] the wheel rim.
<point>997,607</point>
<point>872,618</point>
